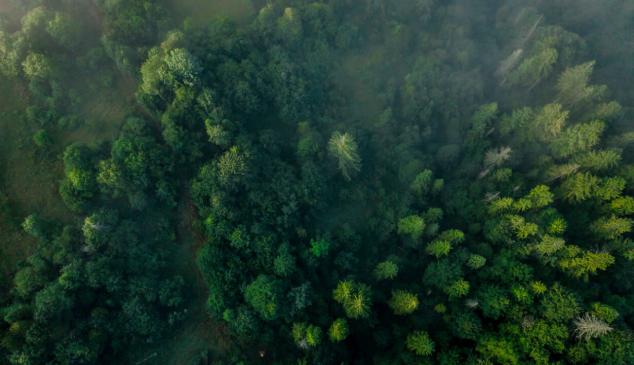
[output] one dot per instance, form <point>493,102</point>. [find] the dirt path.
<point>198,333</point>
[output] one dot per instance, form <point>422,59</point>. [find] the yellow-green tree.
<point>403,302</point>
<point>343,148</point>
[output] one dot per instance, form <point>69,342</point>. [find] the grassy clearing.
<point>21,173</point>
<point>29,177</point>
<point>103,115</point>
<point>363,102</point>
<point>6,6</point>
<point>202,12</point>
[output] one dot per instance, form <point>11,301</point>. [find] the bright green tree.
<point>319,247</point>
<point>579,187</point>
<point>573,85</point>
<point>611,227</point>
<point>420,343</point>
<point>580,263</point>
<point>37,65</point>
<point>403,302</point>
<point>540,196</point>
<point>338,330</point>
<point>622,205</point>
<point>610,188</point>
<point>354,297</point>
<point>412,226</point>
<point>306,335</point>
<point>263,294</point>
<point>458,289</point>
<point>344,149</point>
<point>599,160</point>
<point>438,248</point>
<point>549,123</point>
<point>386,270</point>
<point>422,182</point>
<point>578,138</point>
<point>476,261</point>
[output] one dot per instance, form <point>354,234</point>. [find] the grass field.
<point>202,12</point>
<point>29,177</point>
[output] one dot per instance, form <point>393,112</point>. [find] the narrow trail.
<point>198,333</point>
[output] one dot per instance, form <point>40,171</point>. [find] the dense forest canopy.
<point>317,182</point>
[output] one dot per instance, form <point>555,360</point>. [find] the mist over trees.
<point>340,181</point>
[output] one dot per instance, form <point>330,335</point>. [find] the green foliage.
<point>599,160</point>
<point>343,291</point>
<point>28,281</point>
<point>500,228</point>
<point>442,273</point>
<point>65,30</point>
<point>476,261</point>
<point>412,226</point>
<point>319,248</point>
<point>386,270</point>
<point>403,302</point>
<point>343,148</point>
<point>34,226</point>
<point>540,196</point>
<point>579,187</point>
<point>466,325</point>
<point>354,297</point>
<point>497,350</point>
<point>37,66</point>
<point>285,262</point>
<point>573,88</point>
<point>500,205</point>
<point>583,264</point>
<point>610,188</point>
<point>452,235</point>
<point>578,138</point>
<point>42,139</point>
<point>232,166</point>
<point>522,228</point>
<point>243,321</point>
<point>306,335</point>
<point>604,312</point>
<point>611,228</point>
<point>438,248</point>
<point>559,304</point>
<point>338,330</point>
<point>263,294</point>
<point>458,289</point>
<point>180,68</point>
<point>623,205</point>
<point>534,69</point>
<point>422,182</point>
<point>557,226</point>
<point>420,343</point>
<point>549,245</point>
<point>494,301</point>
<point>549,122</point>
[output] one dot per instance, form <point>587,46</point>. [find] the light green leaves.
<point>344,149</point>
<point>420,343</point>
